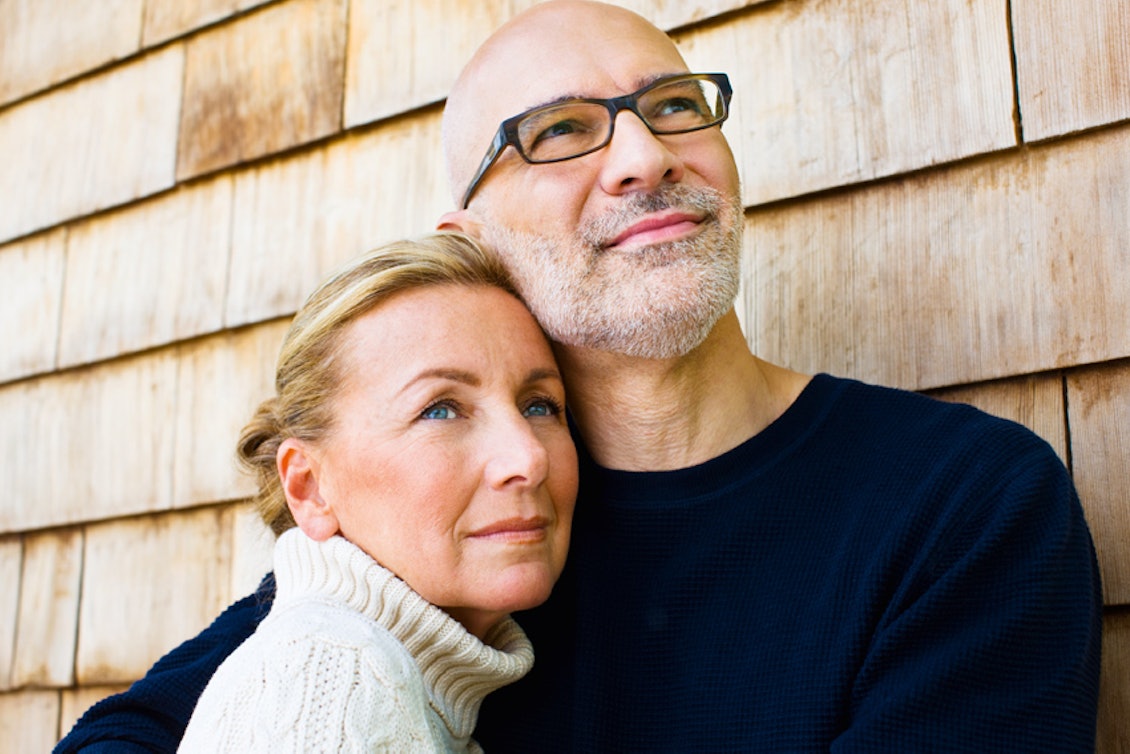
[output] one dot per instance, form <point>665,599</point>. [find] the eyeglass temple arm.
<point>496,146</point>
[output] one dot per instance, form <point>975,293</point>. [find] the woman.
<point>417,465</point>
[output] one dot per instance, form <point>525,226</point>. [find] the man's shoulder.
<point>900,440</point>
<point>933,422</point>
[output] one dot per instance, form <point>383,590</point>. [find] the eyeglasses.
<point>564,130</point>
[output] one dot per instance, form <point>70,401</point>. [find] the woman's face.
<point>450,461</point>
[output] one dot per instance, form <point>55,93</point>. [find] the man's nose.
<point>636,159</point>
<point>516,455</point>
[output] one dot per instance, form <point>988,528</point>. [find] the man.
<point>762,561</point>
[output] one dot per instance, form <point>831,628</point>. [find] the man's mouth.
<point>659,227</point>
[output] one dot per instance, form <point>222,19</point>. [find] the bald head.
<point>556,49</point>
<point>632,248</point>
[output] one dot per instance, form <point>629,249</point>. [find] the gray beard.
<point>611,304</point>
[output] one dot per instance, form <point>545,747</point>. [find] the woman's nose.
<point>516,455</point>
<point>636,159</point>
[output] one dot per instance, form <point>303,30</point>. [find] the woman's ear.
<point>298,472</point>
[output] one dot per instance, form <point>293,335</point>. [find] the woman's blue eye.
<point>439,411</point>
<point>542,407</point>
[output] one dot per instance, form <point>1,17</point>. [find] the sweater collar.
<point>648,489</point>
<point>458,669</point>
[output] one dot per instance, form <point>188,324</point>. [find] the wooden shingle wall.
<point>938,198</point>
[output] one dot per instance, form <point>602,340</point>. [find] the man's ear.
<point>461,220</point>
<point>298,472</point>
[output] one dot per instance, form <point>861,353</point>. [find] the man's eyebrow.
<point>555,101</point>
<point>651,79</point>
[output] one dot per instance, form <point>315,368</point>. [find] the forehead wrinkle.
<point>445,373</point>
<point>640,83</point>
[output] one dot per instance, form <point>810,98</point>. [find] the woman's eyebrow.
<point>546,373</point>
<point>443,373</point>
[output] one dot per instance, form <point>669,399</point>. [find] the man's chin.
<point>657,338</point>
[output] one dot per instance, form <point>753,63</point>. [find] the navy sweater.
<point>874,572</point>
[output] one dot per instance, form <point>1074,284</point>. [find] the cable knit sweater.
<point>350,659</point>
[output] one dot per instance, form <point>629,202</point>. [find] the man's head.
<point>632,248</point>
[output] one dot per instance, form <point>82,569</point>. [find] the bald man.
<point>762,560</point>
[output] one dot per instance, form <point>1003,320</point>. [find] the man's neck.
<point>653,415</point>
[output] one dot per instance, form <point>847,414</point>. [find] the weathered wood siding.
<point>938,198</point>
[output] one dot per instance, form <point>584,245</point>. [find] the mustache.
<point>599,231</point>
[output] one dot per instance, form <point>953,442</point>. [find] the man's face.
<point>633,248</point>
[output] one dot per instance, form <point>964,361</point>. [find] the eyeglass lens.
<point>570,129</point>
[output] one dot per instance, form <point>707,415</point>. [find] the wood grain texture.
<point>834,92</point>
<point>11,561</point>
<point>31,292</point>
<point>404,55</point>
<point>166,19</point>
<point>29,720</point>
<point>221,381</point>
<point>670,15</point>
<point>1098,405</point>
<point>1072,64</point>
<point>296,220</point>
<point>43,42</point>
<point>1114,693</point>
<point>88,444</point>
<point>48,615</point>
<point>148,275</point>
<point>136,435</point>
<point>269,81</point>
<point>100,142</point>
<point>168,573</point>
<point>253,547</point>
<point>1017,264</point>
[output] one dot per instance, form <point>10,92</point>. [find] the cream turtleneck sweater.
<point>350,659</point>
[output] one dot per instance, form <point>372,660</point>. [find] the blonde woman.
<point>417,466</point>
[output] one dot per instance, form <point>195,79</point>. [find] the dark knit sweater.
<point>875,571</point>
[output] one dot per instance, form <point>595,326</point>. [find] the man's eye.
<point>560,131</point>
<point>439,411</point>
<point>679,105</point>
<point>561,128</point>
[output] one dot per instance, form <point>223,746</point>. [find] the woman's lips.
<point>517,530</point>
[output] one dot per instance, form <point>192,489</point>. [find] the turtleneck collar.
<point>459,670</point>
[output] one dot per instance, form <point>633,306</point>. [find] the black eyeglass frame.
<point>507,134</point>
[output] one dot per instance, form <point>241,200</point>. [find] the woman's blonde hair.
<point>307,377</point>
